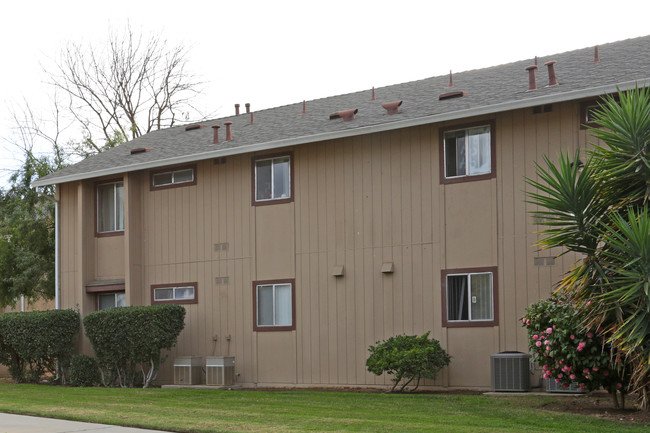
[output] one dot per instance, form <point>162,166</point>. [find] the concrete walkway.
<point>10,423</point>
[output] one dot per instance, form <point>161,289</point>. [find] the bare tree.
<point>128,88</point>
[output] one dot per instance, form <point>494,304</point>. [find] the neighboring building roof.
<point>623,65</point>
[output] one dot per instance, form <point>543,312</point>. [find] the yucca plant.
<point>600,210</point>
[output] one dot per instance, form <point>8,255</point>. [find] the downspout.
<point>57,286</point>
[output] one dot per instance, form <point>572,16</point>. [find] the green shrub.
<point>128,341</point>
<point>84,371</point>
<point>407,358</point>
<point>38,342</point>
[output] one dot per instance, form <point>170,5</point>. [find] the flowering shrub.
<point>566,352</point>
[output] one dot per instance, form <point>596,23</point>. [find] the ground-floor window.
<point>274,305</point>
<point>110,300</point>
<point>469,297</point>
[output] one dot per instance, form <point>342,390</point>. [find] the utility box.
<point>510,371</point>
<point>188,370</point>
<point>553,386</point>
<point>220,370</point>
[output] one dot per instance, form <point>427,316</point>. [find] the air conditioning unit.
<point>188,370</point>
<point>510,371</point>
<point>553,386</point>
<point>220,370</point>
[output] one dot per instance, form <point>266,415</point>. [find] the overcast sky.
<point>272,53</point>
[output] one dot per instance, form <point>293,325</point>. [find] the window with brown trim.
<point>587,111</point>
<point>467,152</point>
<point>274,305</point>
<point>272,179</point>
<point>110,300</point>
<point>179,293</point>
<point>109,208</point>
<point>173,177</point>
<point>469,297</point>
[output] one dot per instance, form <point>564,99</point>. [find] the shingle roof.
<point>498,88</point>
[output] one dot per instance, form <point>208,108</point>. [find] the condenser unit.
<point>553,386</point>
<point>510,371</point>
<point>188,370</point>
<point>220,370</point>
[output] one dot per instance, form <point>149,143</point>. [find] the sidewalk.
<point>10,423</point>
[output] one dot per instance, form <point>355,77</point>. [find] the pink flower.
<point>548,347</point>
<point>573,337</point>
<point>523,320</point>
<point>572,376</point>
<point>588,303</point>
<point>619,385</point>
<point>538,343</point>
<point>590,335</point>
<point>549,330</point>
<point>546,376</point>
<point>594,368</point>
<point>581,346</point>
<point>560,376</point>
<point>586,370</point>
<point>566,385</point>
<point>535,337</point>
<point>547,342</point>
<point>581,386</point>
<point>527,321</point>
<point>557,380</point>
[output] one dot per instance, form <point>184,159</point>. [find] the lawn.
<point>299,411</point>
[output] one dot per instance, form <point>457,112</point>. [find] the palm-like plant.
<point>600,210</point>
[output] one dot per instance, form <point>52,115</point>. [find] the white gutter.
<point>434,118</point>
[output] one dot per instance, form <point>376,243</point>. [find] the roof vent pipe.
<point>373,93</point>
<point>451,80</point>
<point>552,78</point>
<point>346,115</point>
<point>248,107</point>
<point>536,61</point>
<point>228,130</point>
<point>304,107</point>
<point>532,84</point>
<point>236,109</point>
<point>392,107</point>
<point>596,58</point>
<point>215,134</point>
<point>251,117</point>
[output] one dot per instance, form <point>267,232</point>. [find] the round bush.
<point>84,371</point>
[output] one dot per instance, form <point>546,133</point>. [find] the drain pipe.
<point>57,286</point>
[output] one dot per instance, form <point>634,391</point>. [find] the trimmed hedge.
<point>32,343</point>
<point>128,341</point>
<point>84,371</point>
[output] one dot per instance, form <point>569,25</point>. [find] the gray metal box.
<point>510,371</point>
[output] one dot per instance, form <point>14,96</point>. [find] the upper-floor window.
<point>469,297</point>
<point>272,181</point>
<point>182,293</point>
<point>169,178</point>
<point>110,208</point>
<point>468,153</point>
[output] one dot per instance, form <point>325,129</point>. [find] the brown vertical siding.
<point>359,202</point>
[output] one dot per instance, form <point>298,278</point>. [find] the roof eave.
<point>435,118</point>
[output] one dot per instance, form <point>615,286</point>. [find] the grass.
<point>298,411</point>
